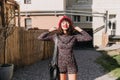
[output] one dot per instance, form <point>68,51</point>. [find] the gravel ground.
<point>87,68</point>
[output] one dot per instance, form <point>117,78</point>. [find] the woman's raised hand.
<point>78,29</point>
<point>52,29</point>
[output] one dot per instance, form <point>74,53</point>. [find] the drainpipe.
<point>106,22</point>
<point>105,34</point>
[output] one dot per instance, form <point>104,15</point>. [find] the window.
<point>114,25</point>
<point>112,16</point>
<point>89,18</point>
<point>27,1</point>
<point>76,18</point>
<point>109,24</point>
<point>28,23</point>
<point>113,30</point>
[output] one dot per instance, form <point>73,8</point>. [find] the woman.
<point>66,39</point>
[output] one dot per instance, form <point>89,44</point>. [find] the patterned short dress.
<point>66,59</point>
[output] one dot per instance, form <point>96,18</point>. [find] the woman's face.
<point>65,25</point>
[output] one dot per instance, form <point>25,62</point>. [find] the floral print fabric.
<point>66,59</point>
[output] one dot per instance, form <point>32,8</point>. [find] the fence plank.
<point>23,47</point>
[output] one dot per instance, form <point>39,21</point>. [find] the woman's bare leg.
<point>72,76</point>
<point>63,76</point>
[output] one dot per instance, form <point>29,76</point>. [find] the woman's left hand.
<point>78,29</point>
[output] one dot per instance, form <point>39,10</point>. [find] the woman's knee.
<point>72,76</point>
<point>63,76</point>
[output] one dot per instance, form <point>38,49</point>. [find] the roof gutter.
<point>57,13</point>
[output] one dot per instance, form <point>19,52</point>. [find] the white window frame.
<point>113,30</point>
<point>89,18</point>
<point>28,23</point>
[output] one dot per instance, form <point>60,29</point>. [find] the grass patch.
<point>116,72</point>
<point>117,58</point>
<point>110,64</point>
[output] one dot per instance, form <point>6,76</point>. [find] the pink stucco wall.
<point>42,22</point>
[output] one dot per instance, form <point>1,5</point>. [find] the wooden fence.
<point>23,47</point>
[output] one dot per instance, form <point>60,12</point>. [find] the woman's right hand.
<point>52,29</point>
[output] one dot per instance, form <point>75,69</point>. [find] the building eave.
<point>58,13</point>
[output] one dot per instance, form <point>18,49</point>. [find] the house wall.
<point>94,6</point>
<point>82,4</point>
<point>69,3</point>
<point>101,6</point>
<point>42,5</point>
<point>112,6</point>
<point>106,4</point>
<point>42,22</point>
<point>118,23</point>
<point>97,31</point>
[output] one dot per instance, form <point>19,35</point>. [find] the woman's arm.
<point>45,35</point>
<point>83,36</point>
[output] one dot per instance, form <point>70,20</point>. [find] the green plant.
<point>117,58</point>
<point>110,64</point>
<point>118,78</point>
<point>107,62</point>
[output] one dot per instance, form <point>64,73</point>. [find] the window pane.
<point>89,18</point>
<point>76,18</point>
<point>114,25</point>
<point>86,18</point>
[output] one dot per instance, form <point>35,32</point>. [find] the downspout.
<point>106,23</point>
<point>105,33</point>
<point>64,7</point>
